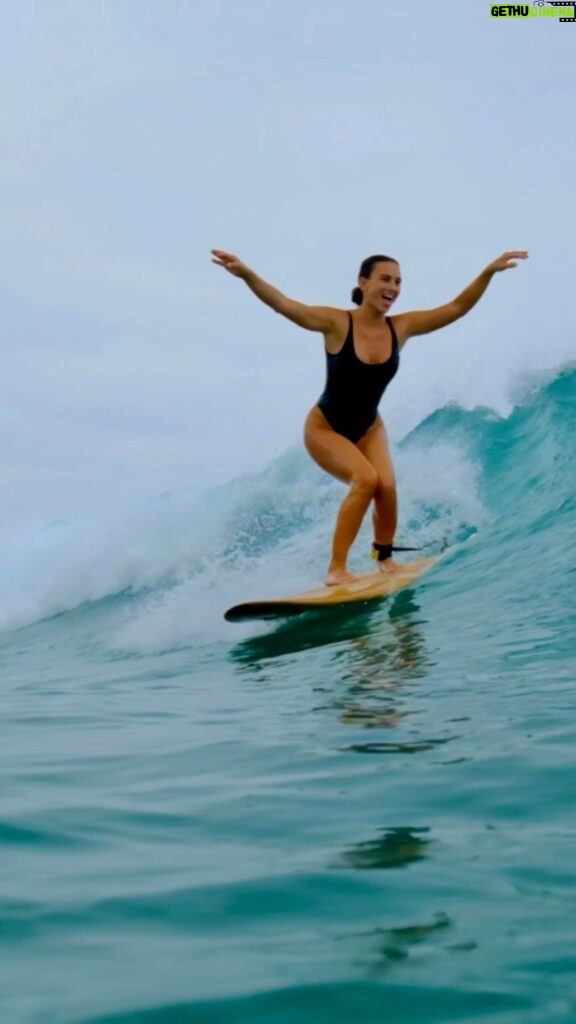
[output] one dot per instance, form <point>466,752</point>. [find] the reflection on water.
<point>318,628</point>
<point>363,628</point>
<point>380,950</point>
<point>400,939</point>
<point>395,848</point>
<point>393,945</point>
<point>377,652</point>
<point>401,747</point>
<point>378,666</point>
<point>377,649</point>
<point>372,718</point>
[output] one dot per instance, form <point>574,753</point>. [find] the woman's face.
<point>382,288</point>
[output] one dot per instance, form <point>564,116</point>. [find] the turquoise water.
<point>366,815</point>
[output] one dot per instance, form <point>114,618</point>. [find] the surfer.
<point>344,432</point>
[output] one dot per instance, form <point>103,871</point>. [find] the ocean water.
<point>366,815</point>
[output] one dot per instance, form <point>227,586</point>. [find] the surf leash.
<point>380,552</point>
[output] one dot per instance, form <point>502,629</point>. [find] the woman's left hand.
<point>506,261</point>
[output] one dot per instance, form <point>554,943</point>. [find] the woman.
<point>343,432</point>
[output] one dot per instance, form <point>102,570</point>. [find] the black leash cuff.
<point>380,552</point>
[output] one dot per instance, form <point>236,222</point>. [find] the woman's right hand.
<point>230,263</point>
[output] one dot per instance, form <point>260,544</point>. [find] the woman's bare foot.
<point>390,566</point>
<point>336,576</point>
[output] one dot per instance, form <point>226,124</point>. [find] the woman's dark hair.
<point>366,268</point>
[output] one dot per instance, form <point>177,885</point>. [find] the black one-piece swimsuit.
<point>354,388</point>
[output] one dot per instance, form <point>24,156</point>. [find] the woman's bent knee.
<point>365,483</point>
<point>385,490</point>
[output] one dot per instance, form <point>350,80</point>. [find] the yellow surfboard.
<point>368,586</point>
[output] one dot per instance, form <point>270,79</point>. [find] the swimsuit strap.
<point>350,336</point>
<point>392,332</point>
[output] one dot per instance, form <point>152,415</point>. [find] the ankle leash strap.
<point>380,552</point>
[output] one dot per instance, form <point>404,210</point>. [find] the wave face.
<point>506,480</point>
<point>526,467</point>
<point>526,460</point>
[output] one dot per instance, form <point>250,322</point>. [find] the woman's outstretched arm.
<point>313,318</point>
<point>424,321</point>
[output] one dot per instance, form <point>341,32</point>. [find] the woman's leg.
<point>374,446</point>
<point>342,459</point>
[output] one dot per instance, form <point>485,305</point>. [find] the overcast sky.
<point>136,135</point>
